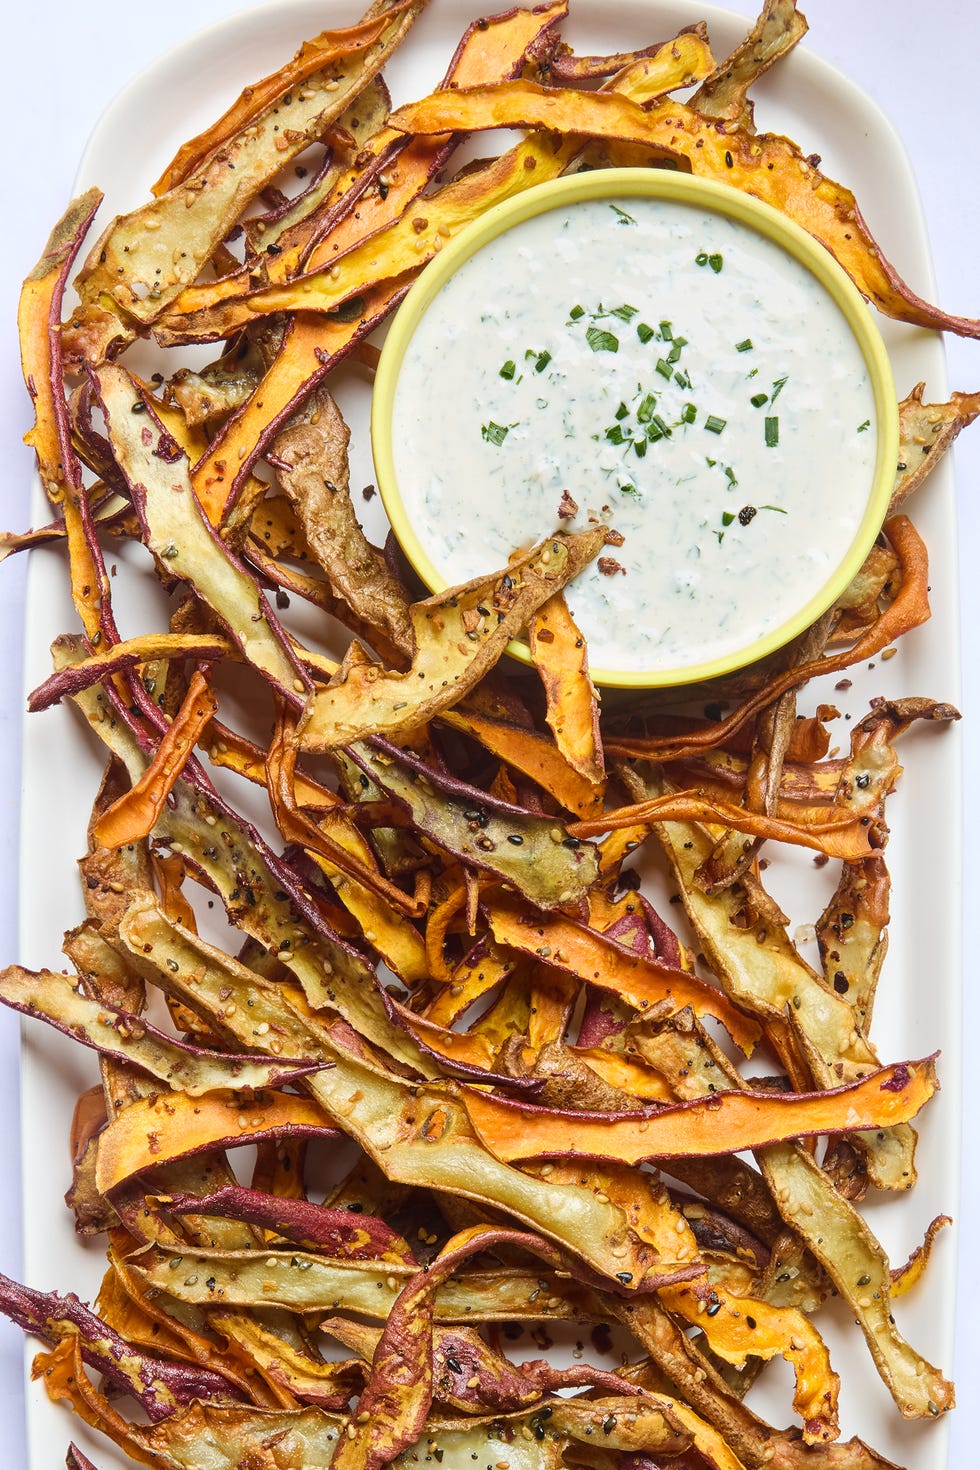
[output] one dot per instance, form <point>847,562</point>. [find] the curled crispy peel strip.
<point>735,1327</point>
<point>38,318</point>
<point>566,66</point>
<point>334,839</point>
<point>723,95</point>
<point>134,815</point>
<point>772,168</point>
<point>725,1123</point>
<point>75,1460</point>
<point>312,1282</point>
<point>327,47</point>
<point>829,1226</point>
<point>743,934</point>
<point>903,1278</point>
<point>293,1375</point>
<point>182,539</point>
<point>146,1324</point>
<point>310,456</point>
<point>858,1267</point>
<point>559,654</point>
<point>63,1373</point>
<point>459,635</point>
<point>830,830</point>
<point>598,960</point>
<point>852,933</point>
<point>162,1129</point>
<point>530,752</point>
<point>84,672</point>
<point>926,432</point>
<point>313,1227</point>
<point>118,1033</point>
<point>909,609</point>
<point>530,852</point>
<point>396,1400</point>
<point>160,1386</point>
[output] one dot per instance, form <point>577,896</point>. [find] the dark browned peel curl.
<point>310,455</point>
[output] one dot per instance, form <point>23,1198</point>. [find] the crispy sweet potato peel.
<point>518,1103</point>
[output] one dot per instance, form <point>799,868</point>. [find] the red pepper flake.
<point>567,507</point>
<point>609,566</point>
<point>614,537</point>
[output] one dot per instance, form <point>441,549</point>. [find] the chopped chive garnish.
<point>601,341</point>
<point>666,331</point>
<point>645,332</point>
<point>777,508</point>
<point>624,218</point>
<point>654,432</point>
<point>730,475</point>
<point>640,446</point>
<point>701,258</point>
<point>713,424</point>
<point>861,429</point>
<point>777,388</point>
<point>688,413</point>
<point>541,361</point>
<point>727,516</point>
<point>674,355</point>
<point>508,370</point>
<point>716,262</point>
<point>710,462</point>
<point>622,411</point>
<point>495,433</point>
<point>682,379</point>
<point>758,399</point>
<point>576,312</point>
<point>772,432</point>
<point>625,313</point>
<point>628,488</point>
<point>658,423</point>
<point>645,411</point>
<point>753,374</point>
<point>745,346</point>
<point>664,369</point>
<point>615,435</point>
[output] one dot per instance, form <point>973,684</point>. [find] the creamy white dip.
<point>666,370</point>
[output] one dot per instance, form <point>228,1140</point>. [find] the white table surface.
<point>65,61</point>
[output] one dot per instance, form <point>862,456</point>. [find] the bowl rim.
<point>717,197</point>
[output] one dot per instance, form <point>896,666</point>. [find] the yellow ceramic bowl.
<point>707,195</point>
